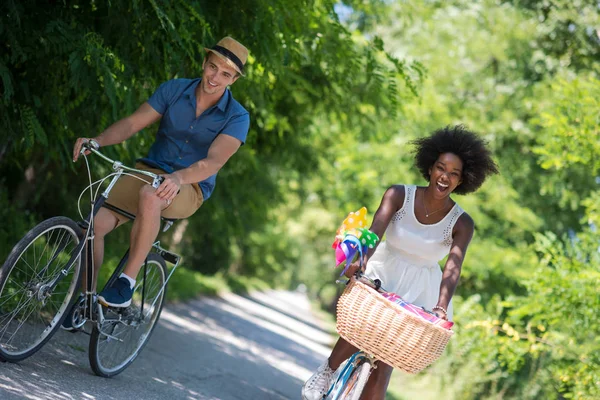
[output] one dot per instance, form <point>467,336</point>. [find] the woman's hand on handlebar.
<point>355,266</point>
<point>79,144</point>
<point>441,314</point>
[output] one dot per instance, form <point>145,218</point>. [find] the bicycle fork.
<point>353,362</point>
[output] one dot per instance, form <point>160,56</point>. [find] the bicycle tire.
<point>111,355</point>
<point>31,311</point>
<point>362,374</point>
<point>355,383</point>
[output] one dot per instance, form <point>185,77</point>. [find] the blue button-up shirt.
<point>182,139</point>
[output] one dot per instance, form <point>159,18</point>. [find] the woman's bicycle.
<point>383,326</point>
<point>352,376</point>
<point>419,343</point>
<point>41,278</point>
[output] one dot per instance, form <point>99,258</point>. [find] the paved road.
<point>261,346</point>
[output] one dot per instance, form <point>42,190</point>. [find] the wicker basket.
<point>387,331</point>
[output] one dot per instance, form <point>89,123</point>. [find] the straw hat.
<point>231,51</point>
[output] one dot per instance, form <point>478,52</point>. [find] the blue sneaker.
<point>118,295</point>
<point>74,321</point>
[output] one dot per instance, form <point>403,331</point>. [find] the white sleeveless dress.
<point>407,261</point>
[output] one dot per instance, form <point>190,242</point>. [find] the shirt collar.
<point>221,104</point>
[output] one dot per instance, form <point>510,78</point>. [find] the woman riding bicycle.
<point>422,226</point>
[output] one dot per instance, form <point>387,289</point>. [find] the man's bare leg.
<point>104,223</point>
<point>145,229</point>
<point>143,233</point>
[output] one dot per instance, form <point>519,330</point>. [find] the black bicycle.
<point>41,278</point>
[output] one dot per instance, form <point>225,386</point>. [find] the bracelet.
<point>440,308</point>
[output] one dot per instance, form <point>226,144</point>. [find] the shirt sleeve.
<point>161,98</point>
<point>238,127</point>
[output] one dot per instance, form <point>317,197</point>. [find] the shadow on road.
<point>261,346</point>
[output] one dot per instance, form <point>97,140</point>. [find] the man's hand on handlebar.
<point>169,188</point>
<point>79,144</point>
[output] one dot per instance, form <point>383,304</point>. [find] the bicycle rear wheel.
<point>353,386</point>
<point>116,344</point>
<point>37,285</point>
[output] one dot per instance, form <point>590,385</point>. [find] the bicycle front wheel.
<point>118,341</point>
<point>37,286</point>
<point>352,387</point>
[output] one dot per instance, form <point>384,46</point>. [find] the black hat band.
<point>225,52</point>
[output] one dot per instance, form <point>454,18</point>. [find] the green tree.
<point>71,69</point>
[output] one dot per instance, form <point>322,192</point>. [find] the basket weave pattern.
<point>387,331</point>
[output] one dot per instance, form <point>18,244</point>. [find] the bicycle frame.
<point>353,362</point>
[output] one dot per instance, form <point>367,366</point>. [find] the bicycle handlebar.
<point>375,284</point>
<point>118,165</point>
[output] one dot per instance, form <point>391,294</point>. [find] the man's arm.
<point>122,129</point>
<point>221,149</point>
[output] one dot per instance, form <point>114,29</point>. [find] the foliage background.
<point>336,91</point>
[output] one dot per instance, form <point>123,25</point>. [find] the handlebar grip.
<point>157,181</point>
<point>91,144</point>
<point>377,284</point>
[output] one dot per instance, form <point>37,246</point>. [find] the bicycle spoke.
<point>12,316</point>
<point>11,296</point>
<point>21,324</point>
<point>47,240</point>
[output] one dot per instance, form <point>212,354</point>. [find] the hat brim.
<point>227,60</point>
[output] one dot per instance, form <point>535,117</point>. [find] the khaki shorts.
<point>125,195</point>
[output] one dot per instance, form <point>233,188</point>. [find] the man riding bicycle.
<point>201,127</point>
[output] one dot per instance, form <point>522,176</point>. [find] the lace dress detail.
<point>448,239</point>
<point>407,262</point>
<point>407,204</point>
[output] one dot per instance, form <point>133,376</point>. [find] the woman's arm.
<point>391,202</point>
<point>462,235</point>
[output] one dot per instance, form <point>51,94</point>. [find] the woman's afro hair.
<point>468,146</point>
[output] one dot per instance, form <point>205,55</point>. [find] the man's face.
<point>217,75</point>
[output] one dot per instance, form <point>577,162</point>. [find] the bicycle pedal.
<point>114,310</point>
<point>169,256</point>
<point>107,307</point>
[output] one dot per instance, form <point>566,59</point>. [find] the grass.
<point>186,284</point>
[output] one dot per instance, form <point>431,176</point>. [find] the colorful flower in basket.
<point>353,238</point>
